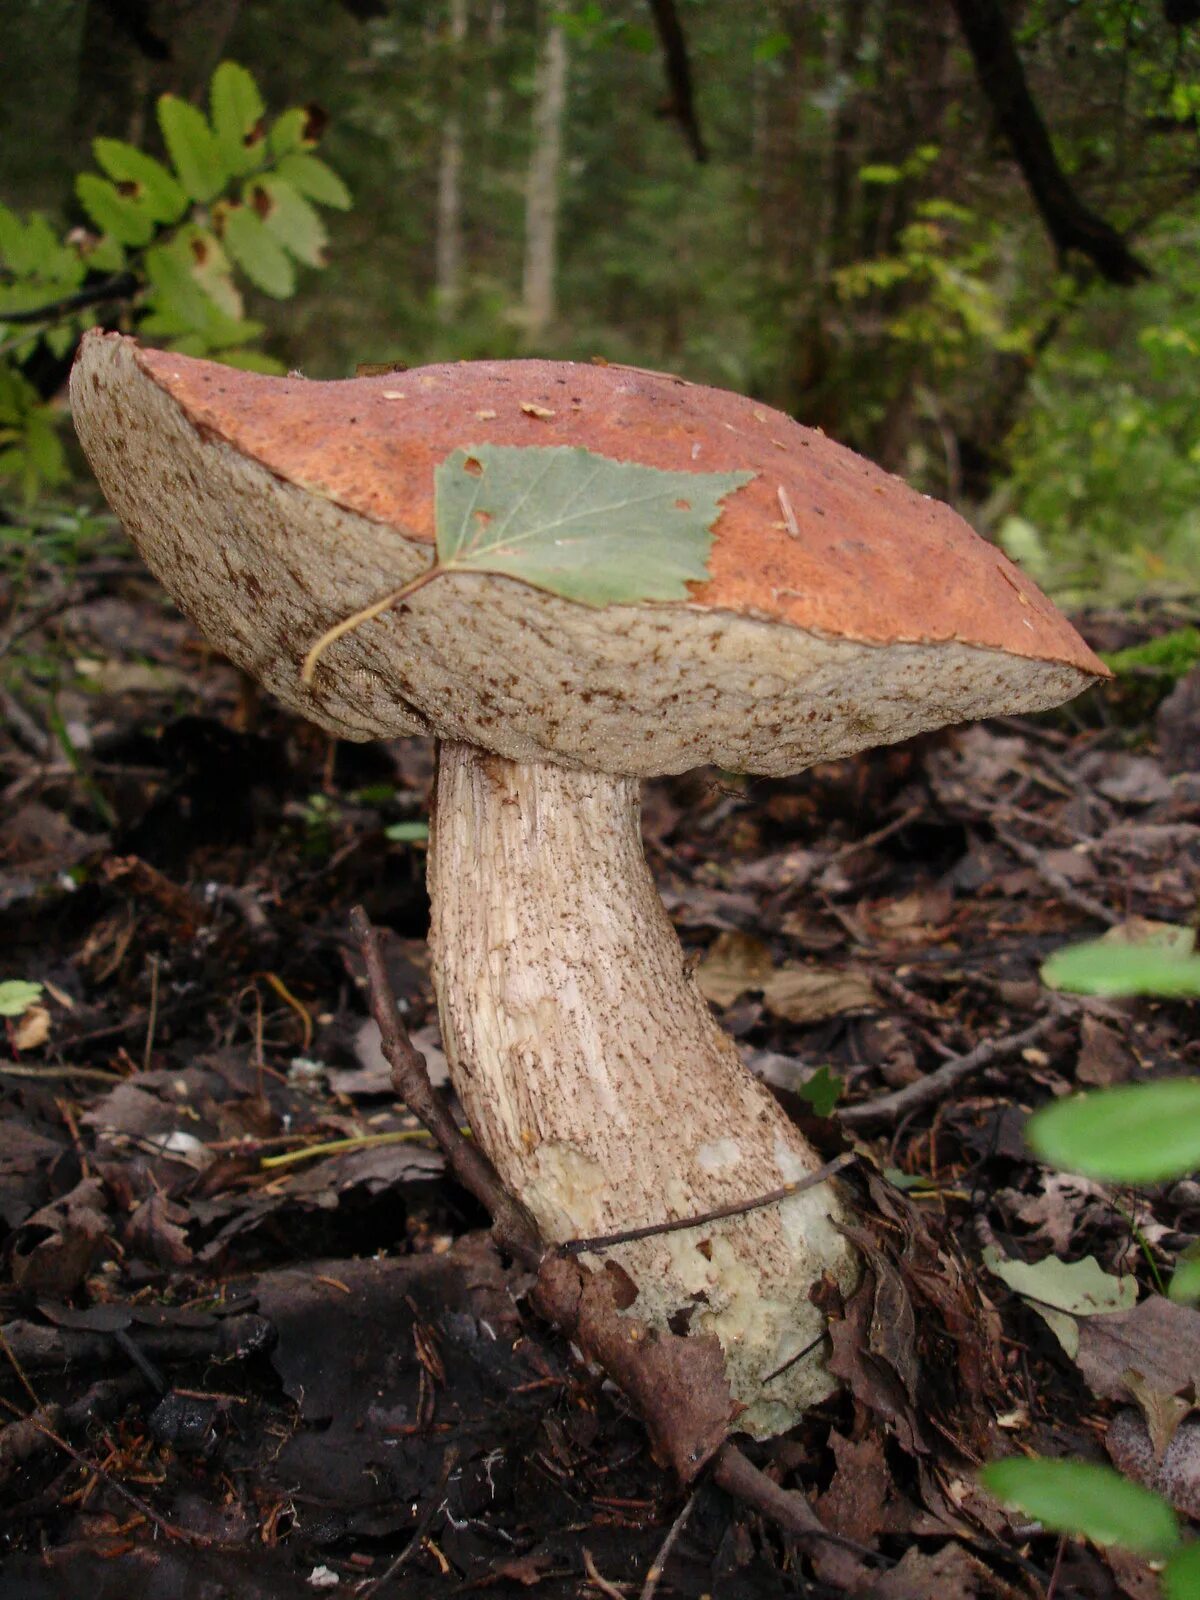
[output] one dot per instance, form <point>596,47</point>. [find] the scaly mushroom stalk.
<point>593,1073</point>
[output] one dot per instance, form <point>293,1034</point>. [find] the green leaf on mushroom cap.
<point>564,519</point>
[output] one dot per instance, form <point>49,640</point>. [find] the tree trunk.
<point>542,187</point>
<point>134,50</point>
<point>494,100</point>
<point>449,247</point>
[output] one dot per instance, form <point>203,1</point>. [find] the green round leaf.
<point>1135,1133</point>
<point>1181,1579</point>
<point>822,1091</point>
<point>1092,1501</point>
<point>1108,967</point>
<point>193,149</point>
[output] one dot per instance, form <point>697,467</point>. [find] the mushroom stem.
<point>594,1076</point>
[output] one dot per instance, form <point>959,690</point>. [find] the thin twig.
<point>10,1353</point>
<point>138,1504</point>
<point>786,1366</point>
<point>606,1241</point>
<point>31,617</point>
<point>1055,880</point>
<point>879,835</point>
<point>658,1565</point>
<point>738,1476</point>
<point>926,1091</point>
<point>514,1227</point>
<point>432,1506</point>
<point>92,1074</point>
<point>596,1580</point>
<point>152,1018</point>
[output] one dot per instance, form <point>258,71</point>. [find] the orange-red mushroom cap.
<point>843,609</point>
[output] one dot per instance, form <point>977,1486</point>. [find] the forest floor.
<point>255,1342</point>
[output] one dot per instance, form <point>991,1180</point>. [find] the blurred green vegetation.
<point>859,247</point>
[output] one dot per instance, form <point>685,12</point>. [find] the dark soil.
<point>255,1342</point>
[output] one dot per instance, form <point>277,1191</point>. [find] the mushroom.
<point>843,610</point>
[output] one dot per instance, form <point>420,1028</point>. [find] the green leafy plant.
<point>172,245</point>
<point>822,1091</point>
<point>1168,657</point>
<point>938,282</point>
<point>17,995</point>
<point>1133,1133</point>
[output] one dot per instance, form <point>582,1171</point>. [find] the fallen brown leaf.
<point>811,994</point>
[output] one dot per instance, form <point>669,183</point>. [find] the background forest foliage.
<point>831,215</point>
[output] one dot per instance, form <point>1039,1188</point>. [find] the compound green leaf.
<point>1135,1133</point>
<point>61,340</point>
<point>237,112</point>
<point>193,148</point>
<point>105,255</point>
<point>205,258</point>
<point>126,219</point>
<point>1093,1501</point>
<point>312,177</point>
<point>160,194</point>
<point>27,296</point>
<point>12,240</point>
<point>177,298</point>
<point>179,305</point>
<point>593,530</point>
<point>288,215</point>
<point>252,361</point>
<point>258,252</point>
<point>43,447</point>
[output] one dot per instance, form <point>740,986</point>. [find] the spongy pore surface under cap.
<point>843,610</point>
